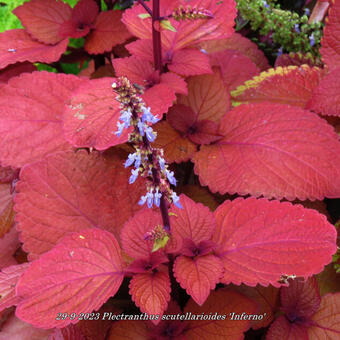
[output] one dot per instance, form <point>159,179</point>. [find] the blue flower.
<point>149,198</point>
<point>157,196</point>
<point>175,200</point>
<point>130,160</point>
<point>297,28</point>
<point>120,129</point>
<point>150,134</point>
<point>171,178</point>
<point>265,4</point>
<point>148,116</point>
<point>312,40</point>
<point>138,160</point>
<point>134,175</point>
<point>126,117</point>
<point>142,200</point>
<point>307,11</point>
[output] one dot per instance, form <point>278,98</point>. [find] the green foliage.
<point>286,28</point>
<point>8,20</point>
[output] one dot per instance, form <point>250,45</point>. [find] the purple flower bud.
<point>142,200</point>
<point>126,117</point>
<point>134,175</point>
<point>307,11</point>
<point>157,198</point>
<point>161,162</point>
<point>175,200</point>
<point>171,178</point>
<point>297,28</point>
<point>149,198</point>
<point>138,161</point>
<point>150,134</point>
<point>312,40</point>
<point>141,127</point>
<point>120,129</point>
<point>148,116</point>
<point>265,4</point>
<point>279,51</point>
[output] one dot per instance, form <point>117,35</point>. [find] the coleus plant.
<point>114,235</point>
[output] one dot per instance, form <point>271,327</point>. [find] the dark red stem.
<point>156,36</point>
<point>146,7</point>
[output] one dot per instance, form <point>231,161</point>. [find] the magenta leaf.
<point>30,124</point>
<point>282,329</point>
<point>77,276</point>
<point>75,191</point>
<point>8,279</point>
<point>17,45</point>
<point>198,275</point>
<point>260,240</point>
<point>273,150</point>
<point>151,291</point>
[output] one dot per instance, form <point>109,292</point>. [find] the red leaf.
<point>15,329</point>
<point>91,118</point>
<point>68,333</point>
<point>327,318</point>
<point>83,15</point>
<point>330,42</point>
<point>301,299</point>
<point>282,329</point>
<point>297,59</point>
<point>141,72</point>
<point>325,98</point>
<point>284,85</point>
<point>151,291</point>
<point>7,174</point>
<point>176,148</point>
<point>77,276</point>
<point>75,191</point>
<point>238,43</point>
<point>15,70</point>
<point>133,232</point>
<point>30,122</point>
<point>267,300</point>
<point>272,150</point>
<point>224,305</point>
<point>43,18</point>
<point>189,62</point>
<point>16,45</point>
<point>207,97</point>
<point>198,275</point>
<point>260,240</point>
<point>187,32</point>
<point>6,209</point>
<point>194,222</point>
<point>8,245</point>
<point>108,31</point>
<point>235,67</point>
<point>8,279</point>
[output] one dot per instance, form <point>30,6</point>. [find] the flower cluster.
<point>187,12</point>
<point>147,161</point>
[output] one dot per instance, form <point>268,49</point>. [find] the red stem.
<point>156,37</point>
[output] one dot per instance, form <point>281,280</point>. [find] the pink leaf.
<point>134,231</point>
<point>15,70</point>
<point>30,122</point>
<point>83,15</point>
<point>195,221</point>
<point>16,45</point>
<point>330,43</point>
<point>9,277</point>
<point>75,191</point>
<point>260,240</point>
<point>189,62</point>
<point>108,31</point>
<point>272,150</point>
<point>151,291</point>
<point>198,275</point>
<point>325,98</point>
<point>77,276</point>
<point>8,245</point>
<point>43,18</point>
